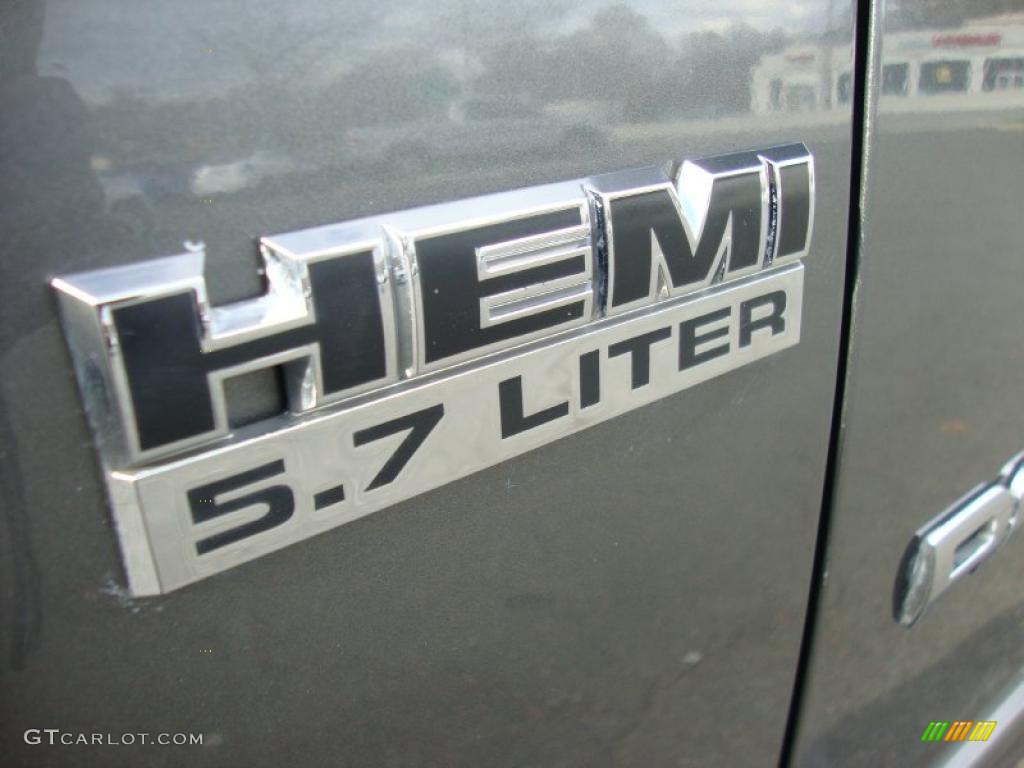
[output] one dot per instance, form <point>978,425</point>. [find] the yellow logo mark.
<point>982,730</point>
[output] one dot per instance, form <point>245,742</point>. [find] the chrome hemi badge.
<point>419,347</point>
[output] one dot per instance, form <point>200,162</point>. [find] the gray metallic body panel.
<point>633,594</point>
<point>931,410</point>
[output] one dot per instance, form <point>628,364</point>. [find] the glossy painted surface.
<point>932,409</point>
<point>632,595</point>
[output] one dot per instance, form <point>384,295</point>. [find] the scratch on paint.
<point>121,593</point>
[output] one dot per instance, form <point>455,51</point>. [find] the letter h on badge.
<point>153,355</point>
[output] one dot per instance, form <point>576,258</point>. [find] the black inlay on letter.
<point>774,320</point>
<point>513,421</point>
<point>639,350</point>
<point>451,291</point>
<point>590,378</point>
<point>689,338</point>
<point>166,367</point>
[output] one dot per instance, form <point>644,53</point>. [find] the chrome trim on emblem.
<point>614,186</point>
<point>793,157</point>
<point>319,452</point>
<point>478,213</point>
<point>90,300</point>
<point>530,252</point>
<point>956,542</point>
<point>421,346</point>
<point>693,184</point>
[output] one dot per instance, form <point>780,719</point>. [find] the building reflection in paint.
<point>980,63</point>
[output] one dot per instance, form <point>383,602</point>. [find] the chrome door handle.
<point>955,542</point>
